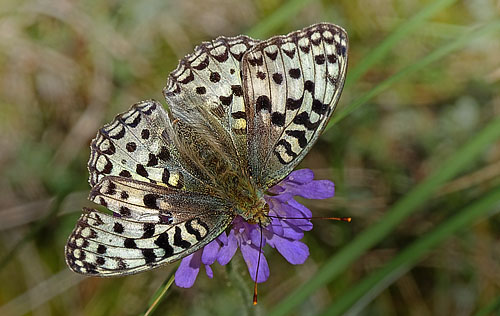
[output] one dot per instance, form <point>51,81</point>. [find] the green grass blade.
<point>160,294</point>
<point>425,61</point>
<point>491,309</point>
<point>390,41</point>
<point>401,210</point>
<point>369,287</point>
<point>277,18</point>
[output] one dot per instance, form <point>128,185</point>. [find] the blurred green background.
<point>413,150</point>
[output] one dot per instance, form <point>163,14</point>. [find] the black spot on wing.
<point>309,86</point>
<point>294,73</point>
<point>272,55</point>
<point>237,90</point>
<point>164,154</point>
<point>239,115</point>
<point>263,103</point>
<point>178,241</point>
<point>290,53</point>
<point>303,119</point>
<point>319,59</point>
<point>201,90</point>
<point>319,107</point>
<point>150,201</point>
<point>149,255</point>
<point>153,160</point>
<point>145,134</point>
<point>278,78</point>
<point>125,173</point>
<point>118,228</point>
<point>278,119</point>
<point>131,147</point>
<point>292,104</point>
<point>226,100</point>
<point>141,171</point>
<point>149,230</point>
<point>101,249</point>
<point>214,77</point>
<point>162,242</point>
<point>190,229</point>
<point>300,136</point>
<point>125,211</point>
<point>129,243</point>
<point>203,64</point>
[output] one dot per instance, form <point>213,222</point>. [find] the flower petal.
<point>222,238</point>
<point>188,270</point>
<point>227,251</point>
<point>301,176</point>
<point>294,216</point>
<point>251,255</point>
<point>209,271</point>
<point>317,189</point>
<point>304,210</point>
<point>210,252</point>
<point>291,231</point>
<point>294,251</point>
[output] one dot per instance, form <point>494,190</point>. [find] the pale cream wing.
<point>205,94</point>
<point>152,225</point>
<point>138,144</point>
<point>291,84</point>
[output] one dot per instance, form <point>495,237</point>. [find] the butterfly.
<point>242,114</point>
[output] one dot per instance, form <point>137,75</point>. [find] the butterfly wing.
<point>139,144</point>
<point>163,211</point>
<point>292,84</point>
<point>205,94</point>
<point>156,225</point>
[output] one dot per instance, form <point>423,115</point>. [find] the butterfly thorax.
<point>254,213</point>
<point>248,201</point>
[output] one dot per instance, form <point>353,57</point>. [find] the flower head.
<point>289,220</point>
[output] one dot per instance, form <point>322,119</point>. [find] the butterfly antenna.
<point>342,219</point>
<point>258,264</point>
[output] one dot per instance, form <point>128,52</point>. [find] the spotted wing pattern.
<point>138,144</point>
<point>151,226</point>
<point>205,92</point>
<point>291,84</point>
<point>162,210</point>
<point>241,112</point>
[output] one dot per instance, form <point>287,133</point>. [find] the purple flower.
<point>289,220</point>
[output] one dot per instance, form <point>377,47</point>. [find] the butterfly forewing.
<point>138,145</point>
<point>292,84</point>
<point>154,226</point>
<point>205,92</point>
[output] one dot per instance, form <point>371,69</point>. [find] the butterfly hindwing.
<point>159,226</point>
<point>292,84</point>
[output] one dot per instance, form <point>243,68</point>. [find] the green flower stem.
<point>160,293</point>
<point>363,292</point>
<point>241,283</point>
<point>396,214</point>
